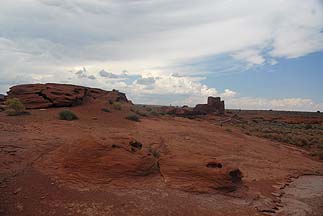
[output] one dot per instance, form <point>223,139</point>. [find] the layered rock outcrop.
<point>35,96</point>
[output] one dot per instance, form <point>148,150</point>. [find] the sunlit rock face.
<point>35,96</point>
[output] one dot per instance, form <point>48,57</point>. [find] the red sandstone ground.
<point>86,167</point>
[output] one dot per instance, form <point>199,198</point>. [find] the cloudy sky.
<point>264,54</point>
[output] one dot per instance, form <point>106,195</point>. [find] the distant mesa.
<point>36,96</point>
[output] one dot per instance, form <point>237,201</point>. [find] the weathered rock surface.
<point>90,161</point>
<point>198,176</point>
<point>122,163</point>
<point>35,96</point>
<point>61,165</point>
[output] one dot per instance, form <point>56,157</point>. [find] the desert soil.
<point>54,167</point>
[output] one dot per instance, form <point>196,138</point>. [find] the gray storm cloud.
<point>106,74</point>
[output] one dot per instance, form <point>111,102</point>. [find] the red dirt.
<point>87,167</point>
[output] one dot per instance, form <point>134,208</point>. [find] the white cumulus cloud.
<point>41,40</point>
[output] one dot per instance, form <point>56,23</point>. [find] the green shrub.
<point>190,117</point>
<point>162,113</point>
<point>142,114</point>
<point>67,115</point>
<point>116,105</point>
<point>139,112</point>
<point>308,126</point>
<point>105,110</point>
<point>14,107</point>
<point>133,118</point>
<point>154,113</point>
<point>228,130</point>
<point>318,154</point>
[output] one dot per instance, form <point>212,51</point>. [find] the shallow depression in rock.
<point>304,196</point>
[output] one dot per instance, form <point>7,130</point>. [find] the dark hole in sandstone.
<point>158,165</point>
<point>115,146</point>
<point>236,175</point>
<point>214,165</point>
<point>135,145</point>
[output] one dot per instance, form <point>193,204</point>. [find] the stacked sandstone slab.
<point>36,96</point>
<point>214,105</point>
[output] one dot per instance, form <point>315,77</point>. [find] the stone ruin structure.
<point>214,105</point>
